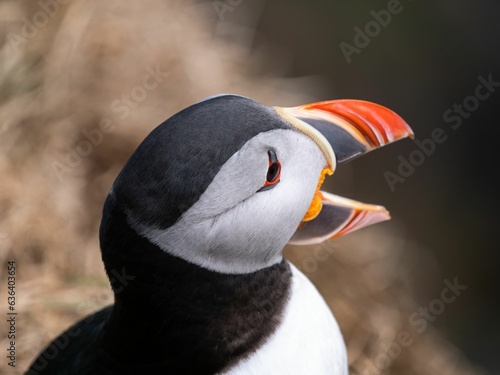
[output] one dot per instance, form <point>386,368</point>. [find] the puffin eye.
<point>273,172</point>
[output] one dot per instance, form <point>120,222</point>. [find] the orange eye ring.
<point>273,172</point>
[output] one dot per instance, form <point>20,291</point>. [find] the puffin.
<point>192,237</point>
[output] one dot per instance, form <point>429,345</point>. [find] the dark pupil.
<point>272,172</point>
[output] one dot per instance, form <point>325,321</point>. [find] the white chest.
<point>307,342</point>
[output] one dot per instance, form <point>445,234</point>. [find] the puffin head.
<point>227,182</point>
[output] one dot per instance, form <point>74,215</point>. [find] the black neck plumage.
<point>171,314</point>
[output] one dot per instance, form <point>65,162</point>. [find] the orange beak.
<point>343,130</point>
<point>352,127</point>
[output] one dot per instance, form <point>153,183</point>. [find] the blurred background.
<point>83,82</point>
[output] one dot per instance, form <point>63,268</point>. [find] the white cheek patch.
<point>233,228</point>
<point>237,181</point>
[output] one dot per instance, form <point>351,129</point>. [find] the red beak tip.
<point>378,124</point>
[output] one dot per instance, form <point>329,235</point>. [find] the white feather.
<point>308,342</point>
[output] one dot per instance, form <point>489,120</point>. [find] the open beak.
<point>343,130</point>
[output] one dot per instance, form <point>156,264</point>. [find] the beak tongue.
<point>343,130</point>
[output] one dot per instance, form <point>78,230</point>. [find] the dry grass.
<point>64,79</point>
